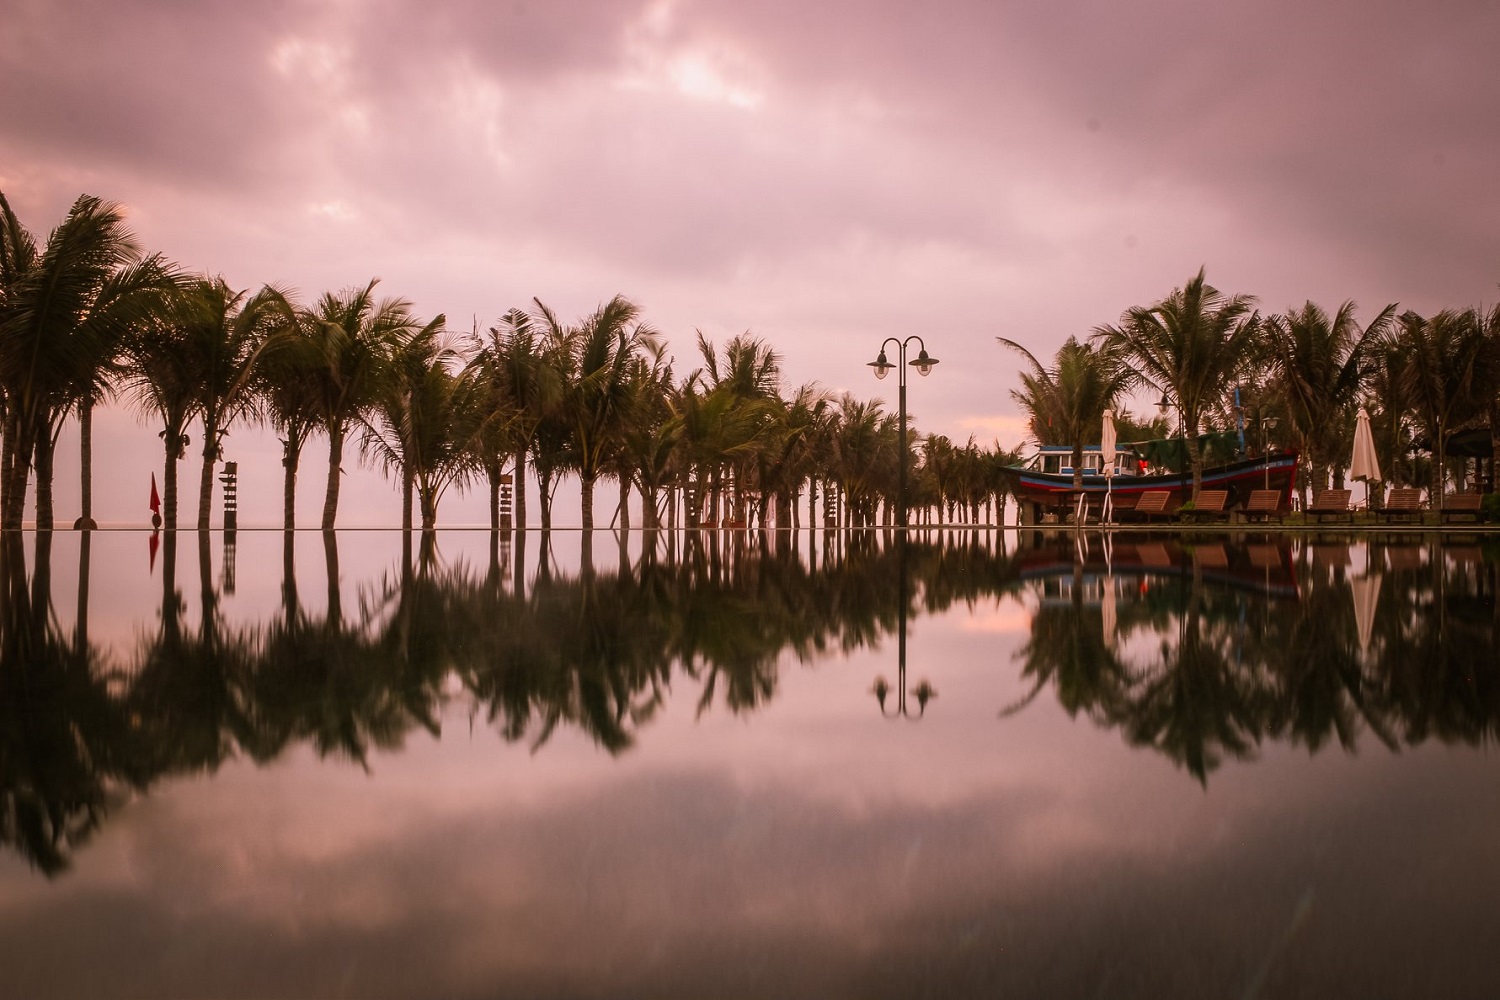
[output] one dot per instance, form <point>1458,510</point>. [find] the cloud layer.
<point>821,176</point>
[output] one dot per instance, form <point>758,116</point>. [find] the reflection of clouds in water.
<point>674,882</point>
<point>1009,616</point>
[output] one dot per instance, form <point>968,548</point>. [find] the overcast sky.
<point>821,175</point>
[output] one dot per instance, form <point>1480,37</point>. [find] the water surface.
<point>1154,764</point>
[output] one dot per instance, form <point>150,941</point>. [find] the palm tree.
<point>601,352</point>
<point>288,391</point>
<point>1451,376</point>
<point>1188,345</point>
<point>164,376</point>
<point>865,450</point>
<point>1319,363</point>
<point>355,337</point>
<point>391,427</point>
<point>789,459</point>
<point>648,453</point>
<point>64,312</point>
<point>1067,402</point>
<point>226,332</point>
<point>428,423</point>
<point>749,375</point>
<point>509,364</point>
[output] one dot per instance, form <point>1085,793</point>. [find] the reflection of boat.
<point>1265,569</point>
<point>1046,482</point>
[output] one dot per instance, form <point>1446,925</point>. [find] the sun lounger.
<point>1264,505</point>
<point>1153,503</point>
<point>1332,504</point>
<point>1404,503</point>
<point>1456,505</point>
<point>1211,505</point>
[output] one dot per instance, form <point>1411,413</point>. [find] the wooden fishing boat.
<point>1045,489</point>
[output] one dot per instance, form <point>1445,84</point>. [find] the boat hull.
<point>1043,492</point>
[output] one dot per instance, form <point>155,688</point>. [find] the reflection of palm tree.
<point>65,740</point>
<point>1067,648</point>
<point>189,689</point>
<point>1195,704</point>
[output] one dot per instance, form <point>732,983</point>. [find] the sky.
<point>821,176</point>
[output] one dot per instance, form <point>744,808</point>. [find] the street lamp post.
<point>1266,424</point>
<point>1166,404</point>
<point>882,365</point>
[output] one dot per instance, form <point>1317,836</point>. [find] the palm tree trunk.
<point>206,480</point>
<point>7,463</point>
<point>624,508</point>
<point>44,444</point>
<point>408,486</point>
<point>1195,458</point>
<point>544,481</point>
<point>650,519</point>
<point>20,440</point>
<point>492,470</point>
<point>169,483</point>
<point>429,508</point>
<point>587,481</point>
<point>520,488</point>
<point>335,470</point>
<point>86,464</point>
<point>289,485</point>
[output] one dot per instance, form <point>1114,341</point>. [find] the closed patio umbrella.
<point>1107,456</point>
<point>1364,465</point>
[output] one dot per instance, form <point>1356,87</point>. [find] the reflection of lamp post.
<point>923,364</point>
<point>924,691</point>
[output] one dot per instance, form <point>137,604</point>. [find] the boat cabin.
<point>1057,459</point>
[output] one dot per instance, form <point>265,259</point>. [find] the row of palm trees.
<point>89,316</point>
<point>1217,361</point>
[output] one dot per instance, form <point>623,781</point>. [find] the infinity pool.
<point>824,765</point>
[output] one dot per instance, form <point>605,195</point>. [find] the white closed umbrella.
<point>1107,455</point>
<point>1364,465</point>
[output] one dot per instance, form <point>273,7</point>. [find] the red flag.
<point>155,541</point>
<point>155,499</point>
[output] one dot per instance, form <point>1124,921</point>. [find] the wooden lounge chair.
<point>1153,503</point>
<point>1456,505</point>
<point>1405,502</point>
<point>1264,505</point>
<point>1332,504</point>
<point>1211,505</point>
